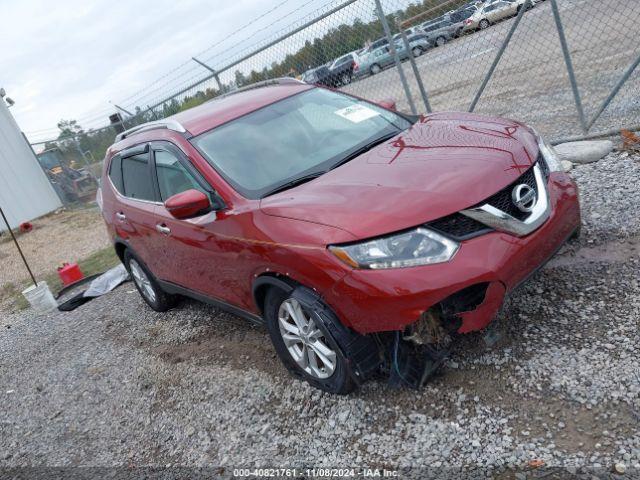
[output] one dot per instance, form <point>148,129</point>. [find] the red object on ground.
<point>70,273</point>
<point>26,227</point>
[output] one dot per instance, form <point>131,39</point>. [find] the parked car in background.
<point>439,31</point>
<point>418,43</point>
<point>346,67</point>
<point>381,58</point>
<point>318,76</point>
<point>493,12</point>
<point>459,17</point>
<point>323,75</point>
<point>407,32</point>
<point>376,60</point>
<point>381,42</point>
<point>364,239</point>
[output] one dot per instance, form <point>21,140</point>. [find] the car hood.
<point>443,164</point>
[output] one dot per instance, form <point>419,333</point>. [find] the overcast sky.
<point>67,59</point>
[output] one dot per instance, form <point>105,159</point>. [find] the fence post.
<point>569,63</point>
<point>153,112</point>
<point>496,60</point>
<point>215,74</point>
<point>614,92</point>
<point>416,72</point>
<point>396,57</point>
<point>76,144</point>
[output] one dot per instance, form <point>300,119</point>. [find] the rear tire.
<point>440,41</point>
<point>345,79</point>
<point>417,51</point>
<point>375,69</point>
<point>147,285</point>
<point>304,345</point>
<point>484,24</point>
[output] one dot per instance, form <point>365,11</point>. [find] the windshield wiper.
<point>364,148</point>
<point>295,182</point>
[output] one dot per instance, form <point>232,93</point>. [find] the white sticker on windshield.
<point>356,113</point>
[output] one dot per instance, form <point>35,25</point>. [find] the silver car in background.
<point>439,31</point>
<point>380,58</point>
<point>495,11</point>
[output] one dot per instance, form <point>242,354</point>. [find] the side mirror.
<point>188,204</point>
<point>388,103</point>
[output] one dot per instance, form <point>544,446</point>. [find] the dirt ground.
<point>63,236</point>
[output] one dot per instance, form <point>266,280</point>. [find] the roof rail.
<point>263,83</point>
<point>169,124</point>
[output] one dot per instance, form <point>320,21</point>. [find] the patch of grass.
<point>97,262</point>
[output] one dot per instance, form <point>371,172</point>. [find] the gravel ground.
<point>80,232</point>
<point>114,383</point>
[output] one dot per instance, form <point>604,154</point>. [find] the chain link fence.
<point>567,67</point>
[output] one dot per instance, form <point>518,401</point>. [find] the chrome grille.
<point>462,226</point>
<point>503,200</point>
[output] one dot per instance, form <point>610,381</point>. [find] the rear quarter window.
<point>115,173</point>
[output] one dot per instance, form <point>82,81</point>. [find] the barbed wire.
<point>148,95</point>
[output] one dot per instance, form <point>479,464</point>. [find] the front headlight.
<point>549,154</point>
<point>416,247</point>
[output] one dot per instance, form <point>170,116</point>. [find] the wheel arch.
<point>267,280</point>
<point>120,246</point>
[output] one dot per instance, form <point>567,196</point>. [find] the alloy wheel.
<point>142,280</point>
<point>304,341</point>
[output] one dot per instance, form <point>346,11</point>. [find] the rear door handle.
<point>163,229</point>
<point>121,216</point>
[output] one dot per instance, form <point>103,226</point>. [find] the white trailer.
<point>25,191</point>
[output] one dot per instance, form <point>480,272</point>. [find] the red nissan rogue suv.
<point>364,239</point>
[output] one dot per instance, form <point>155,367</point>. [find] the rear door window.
<point>136,178</point>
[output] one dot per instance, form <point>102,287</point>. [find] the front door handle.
<point>121,216</point>
<point>163,229</point>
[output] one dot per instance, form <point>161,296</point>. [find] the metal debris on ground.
<point>98,287</point>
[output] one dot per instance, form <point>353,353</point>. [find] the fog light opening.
<point>428,330</point>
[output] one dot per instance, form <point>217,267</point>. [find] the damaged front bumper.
<point>469,289</point>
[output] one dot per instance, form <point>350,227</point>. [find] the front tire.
<point>417,51</point>
<point>147,285</point>
<point>304,345</point>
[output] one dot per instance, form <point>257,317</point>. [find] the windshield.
<point>300,135</point>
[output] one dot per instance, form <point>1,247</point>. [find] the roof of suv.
<point>221,110</point>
